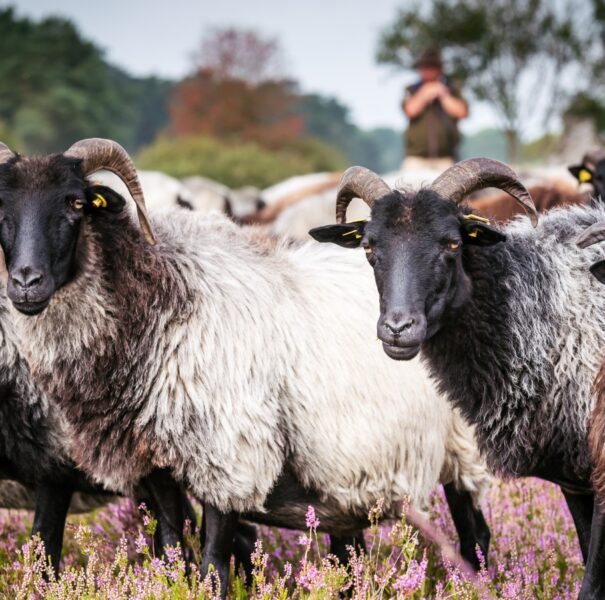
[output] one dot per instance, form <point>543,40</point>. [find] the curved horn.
<point>593,235</point>
<point>5,153</point>
<point>358,182</point>
<point>97,154</point>
<point>474,174</point>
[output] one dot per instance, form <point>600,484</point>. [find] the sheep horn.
<point>474,174</point>
<point>592,158</point>
<point>5,153</point>
<point>97,154</point>
<point>358,182</point>
<point>593,235</point>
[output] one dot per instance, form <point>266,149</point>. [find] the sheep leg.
<point>470,524</point>
<point>581,507</point>
<point>339,546</point>
<point>218,540</point>
<point>593,585</point>
<point>52,504</point>
<point>167,502</point>
<point>243,547</point>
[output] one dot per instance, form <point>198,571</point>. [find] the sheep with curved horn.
<point>213,354</point>
<point>506,320</point>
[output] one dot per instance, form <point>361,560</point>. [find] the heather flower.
<point>140,544</point>
<point>413,578</point>
<point>534,554</point>
<point>311,520</point>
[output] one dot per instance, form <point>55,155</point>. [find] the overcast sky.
<point>329,45</point>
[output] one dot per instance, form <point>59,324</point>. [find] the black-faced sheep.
<point>217,356</point>
<point>506,320</point>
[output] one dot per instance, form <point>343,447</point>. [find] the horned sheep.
<point>213,355</point>
<point>506,320</point>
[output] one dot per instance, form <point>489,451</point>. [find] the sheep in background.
<point>292,191</point>
<point>196,193</point>
<point>501,208</point>
<point>591,171</point>
<point>296,220</point>
<point>506,320</point>
<point>550,188</point>
<point>219,353</point>
<point>165,193</point>
<point>207,195</point>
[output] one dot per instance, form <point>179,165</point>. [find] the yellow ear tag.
<point>473,233</point>
<point>349,233</point>
<point>99,201</point>
<point>584,176</point>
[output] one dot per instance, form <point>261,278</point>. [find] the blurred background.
<point>250,93</point>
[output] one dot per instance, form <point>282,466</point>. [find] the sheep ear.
<point>348,235</point>
<point>480,234</point>
<point>581,173</point>
<point>100,197</point>
<point>598,270</point>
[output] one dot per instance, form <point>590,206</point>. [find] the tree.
<point>241,54</point>
<point>56,87</point>
<point>523,56</point>
<point>236,91</point>
<point>329,120</point>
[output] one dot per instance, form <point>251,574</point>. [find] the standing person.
<point>434,106</point>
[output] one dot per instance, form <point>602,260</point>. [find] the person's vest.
<point>433,133</point>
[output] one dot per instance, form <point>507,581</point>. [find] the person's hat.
<point>431,57</point>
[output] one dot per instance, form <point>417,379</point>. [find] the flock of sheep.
<point>202,345</point>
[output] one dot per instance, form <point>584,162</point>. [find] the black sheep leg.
<point>593,585</point>
<point>581,507</point>
<point>244,542</point>
<point>470,525</point>
<point>52,504</point>
<point>243,547</point>
<point>167,502</point>
<point>338,546</point>
<point>218,533</point>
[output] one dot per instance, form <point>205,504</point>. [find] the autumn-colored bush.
<point>238,164</point>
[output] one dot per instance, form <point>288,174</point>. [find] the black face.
<point>42,204</point>
<point>587,174</point>
<point>599,179</point>
<point>414,243</point>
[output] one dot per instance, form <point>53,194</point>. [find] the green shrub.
<point>8,137</point>
<point>238,164</point>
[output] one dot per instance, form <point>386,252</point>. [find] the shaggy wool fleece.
<point>231,360</point>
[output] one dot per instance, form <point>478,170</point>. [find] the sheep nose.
<point>396,325</point>
<point>26,277</point>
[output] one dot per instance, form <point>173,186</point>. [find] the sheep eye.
<point>77,203</point>
<point>453,245</point>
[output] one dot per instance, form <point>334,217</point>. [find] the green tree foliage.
<point>590,102</point>
<point>487,142</point>
<point>238,164</point>
<point>55,87</point>
<point>523,56</point>
<point>329,120</point>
